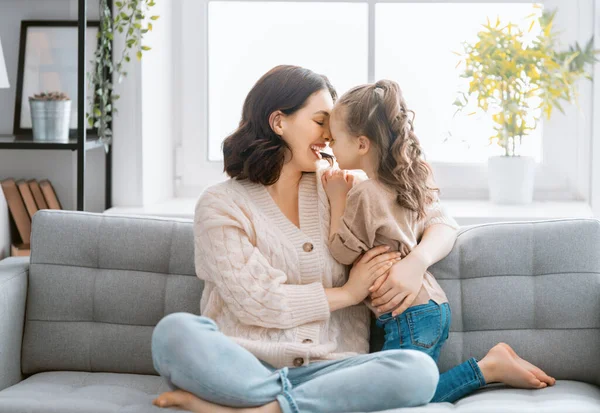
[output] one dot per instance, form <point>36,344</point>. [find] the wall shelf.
<point>27,142</point>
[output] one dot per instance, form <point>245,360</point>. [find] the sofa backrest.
<point>98,285</point>
<point>533,285</point>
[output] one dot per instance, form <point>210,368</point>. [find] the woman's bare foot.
<point>539,373</point>
<point>499,365</point>
<point>187,401</point>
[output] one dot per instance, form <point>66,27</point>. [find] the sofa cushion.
<point>64,392</point>
<point>564,397</point>
<point>99,284</point>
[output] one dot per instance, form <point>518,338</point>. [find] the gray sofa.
<point>76,319</point>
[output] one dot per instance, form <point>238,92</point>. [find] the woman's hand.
<point>337,183</point>
<point>400,287</point>
<point>374,264</point>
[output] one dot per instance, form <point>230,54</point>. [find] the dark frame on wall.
<point>18,128</point>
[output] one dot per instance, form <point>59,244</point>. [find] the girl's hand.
<point>366,270</point>
<point>337,184</point>
<point>400,287</point>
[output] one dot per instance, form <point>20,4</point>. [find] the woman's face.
<point>343,144</point>
<point>307,130</point>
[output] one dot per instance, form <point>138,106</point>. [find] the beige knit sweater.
<point>265,278</point>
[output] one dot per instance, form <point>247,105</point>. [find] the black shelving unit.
<point>82,143</point>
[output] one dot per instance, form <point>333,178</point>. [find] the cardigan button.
<point>307,247</point>
<point>307,341</point>
<point>299,361</point>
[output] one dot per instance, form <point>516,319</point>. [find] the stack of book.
<point>24,199</point>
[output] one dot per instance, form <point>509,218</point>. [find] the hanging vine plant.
<point>133,19</point>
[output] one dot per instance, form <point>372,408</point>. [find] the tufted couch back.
<point>98,285</point>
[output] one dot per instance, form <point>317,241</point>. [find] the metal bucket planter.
<point>50,120</point>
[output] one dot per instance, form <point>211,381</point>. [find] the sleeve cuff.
<point>446,220</point>
<point>308,303</point>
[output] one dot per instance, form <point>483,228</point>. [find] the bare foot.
<point>499,365</point>
<point>187,401</point>
<point>539,373</point>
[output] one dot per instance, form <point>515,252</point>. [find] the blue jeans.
<point>193,355</point>
<point>426,328</point>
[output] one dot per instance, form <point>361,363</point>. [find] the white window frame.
<point>564,174</point>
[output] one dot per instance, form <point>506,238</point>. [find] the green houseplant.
<point>132,19</point>
<point>519,76</point>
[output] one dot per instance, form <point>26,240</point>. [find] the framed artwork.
<point>48,62</point>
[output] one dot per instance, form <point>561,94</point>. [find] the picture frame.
<point>48,62</point>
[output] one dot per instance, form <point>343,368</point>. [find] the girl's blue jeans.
<point>425,328</point>
<point>191,353</point>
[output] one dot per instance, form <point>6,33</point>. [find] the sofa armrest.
<point>14,274</point>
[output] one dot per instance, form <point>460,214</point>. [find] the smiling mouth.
<point>317,151</point>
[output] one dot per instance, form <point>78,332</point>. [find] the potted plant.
<point>132,19</point>
<point>518,76</point>
<point>50,116</point>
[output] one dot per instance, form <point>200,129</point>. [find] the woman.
<point>292,331</point>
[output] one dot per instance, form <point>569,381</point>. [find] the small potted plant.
<point>518,76</point>
<point>50,116</point>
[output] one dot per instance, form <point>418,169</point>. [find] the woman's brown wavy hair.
<point>379,112</point>
<point>254,151</point>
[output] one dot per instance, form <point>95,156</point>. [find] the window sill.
<point>474,212</point>
<point>466,212</point>
<point>181,208</point>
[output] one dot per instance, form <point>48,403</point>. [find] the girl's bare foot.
<point>539,373</point>
<point>499,365</point>
<point>187,401</point>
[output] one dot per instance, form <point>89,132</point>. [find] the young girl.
<point>371,130</point>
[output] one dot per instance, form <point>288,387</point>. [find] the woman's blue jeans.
<point>426,328</point>
<point>191,353</point>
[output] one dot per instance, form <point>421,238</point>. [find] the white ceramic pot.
<point>510,179</point>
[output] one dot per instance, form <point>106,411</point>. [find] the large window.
<point>415,45</point>
<point>246,39</point>
<point>411,42</point>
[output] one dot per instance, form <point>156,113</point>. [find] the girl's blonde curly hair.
<point>379,112</point>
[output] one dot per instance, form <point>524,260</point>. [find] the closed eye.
<point>319,123</point>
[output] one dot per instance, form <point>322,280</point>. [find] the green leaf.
<point>150,26</point>
<point>146,48</point>
<point>119,4</point>
<point>154,17</point>
<point>97,112</point>
<point>139,55</point>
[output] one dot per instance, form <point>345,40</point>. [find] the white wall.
<point>58,166</point>
<point>148,117</point>
<point>157,111</point>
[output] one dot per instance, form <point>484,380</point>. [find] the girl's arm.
<point>436,244</point>
<point>345,244</point>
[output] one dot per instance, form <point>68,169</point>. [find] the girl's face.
<point>307,130</point>
<point>345,147</point>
